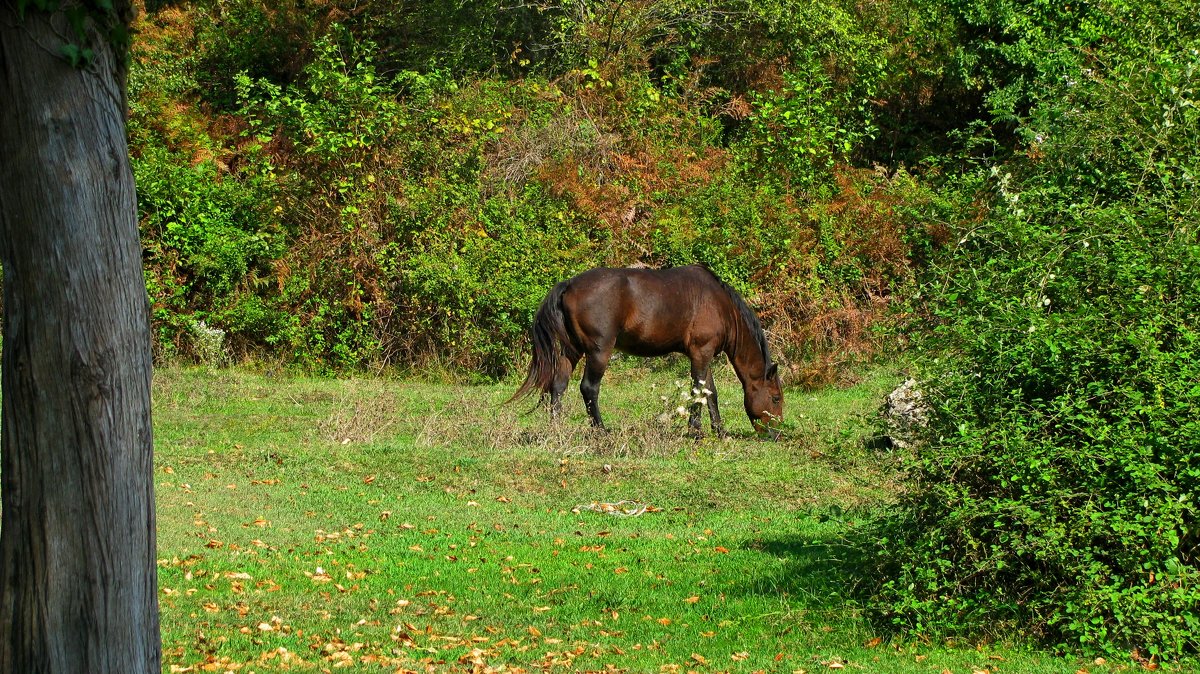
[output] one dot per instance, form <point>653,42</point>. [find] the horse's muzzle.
<point>766,430</point>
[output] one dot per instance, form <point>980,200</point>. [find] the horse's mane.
<point>747,314</point>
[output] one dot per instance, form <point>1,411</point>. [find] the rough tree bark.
<point>77,544</point>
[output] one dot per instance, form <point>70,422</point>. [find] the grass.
<point>382,525</point>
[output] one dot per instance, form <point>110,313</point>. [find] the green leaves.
<point>78,57</point>
<point>1056,489</point>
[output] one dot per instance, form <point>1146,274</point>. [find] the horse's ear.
<point>773,371</point>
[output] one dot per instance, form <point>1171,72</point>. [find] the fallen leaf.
<point>873,642</point>
<point>692,599</point>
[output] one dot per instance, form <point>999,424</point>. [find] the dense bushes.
<point>323,211</point>
<point>1057,490</point>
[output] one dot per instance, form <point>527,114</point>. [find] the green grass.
<point>396,525</point>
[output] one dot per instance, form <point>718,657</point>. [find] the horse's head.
<point>764,402</point>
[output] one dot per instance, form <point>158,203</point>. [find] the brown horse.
<point>646,312</point>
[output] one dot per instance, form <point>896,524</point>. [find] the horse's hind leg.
<point>562,377</point>
<point>593,371</point>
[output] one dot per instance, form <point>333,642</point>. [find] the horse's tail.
<point>550,341</point>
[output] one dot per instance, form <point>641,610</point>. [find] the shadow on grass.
<point>826,567</point>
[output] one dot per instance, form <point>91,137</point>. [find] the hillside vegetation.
<point>1006,191</point>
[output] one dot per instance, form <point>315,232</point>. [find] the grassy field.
<point>396,525</point>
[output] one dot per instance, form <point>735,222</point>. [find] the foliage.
<point>420,216</point>
<point>1057,490</point>
<point>800,132</point>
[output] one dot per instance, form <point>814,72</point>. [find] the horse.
<point>646,313</point>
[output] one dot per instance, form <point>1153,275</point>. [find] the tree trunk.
<point>78,580</point>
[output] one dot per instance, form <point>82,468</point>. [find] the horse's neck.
<point>745,356</point>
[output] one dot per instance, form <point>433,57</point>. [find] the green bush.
<point>798,133</point>
<point>1056,493</point>
<point>211,237</point>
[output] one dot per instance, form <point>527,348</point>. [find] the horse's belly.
<point>635,345</point>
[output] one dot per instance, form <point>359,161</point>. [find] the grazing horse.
<point>645,312</point>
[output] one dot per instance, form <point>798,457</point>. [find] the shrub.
<point>1056,494</point>
<point>211,237</point>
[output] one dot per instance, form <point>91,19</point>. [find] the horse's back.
<point>643,311</point>
<point>647,290</point>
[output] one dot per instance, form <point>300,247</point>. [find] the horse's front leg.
<point>593,372</point>
<point>703,391</point>
<point>714,411</point>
